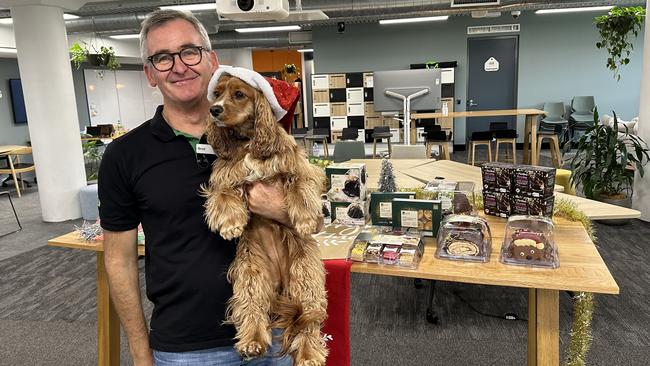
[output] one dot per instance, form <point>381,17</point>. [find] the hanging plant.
<point>614,29</point>
<point>431,65</point>
<point>105,56</point>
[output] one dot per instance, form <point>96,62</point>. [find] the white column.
<point>46,76</point>
<point>641,200</point>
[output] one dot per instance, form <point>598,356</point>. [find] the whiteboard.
<point>121,96</point>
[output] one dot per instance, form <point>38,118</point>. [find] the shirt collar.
<point>160,128</point>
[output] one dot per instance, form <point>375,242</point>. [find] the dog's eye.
<point>239,94</point>
<point>216,94</point>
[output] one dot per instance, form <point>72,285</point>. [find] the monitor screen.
<point>17,101</point>
<point>406,82</point>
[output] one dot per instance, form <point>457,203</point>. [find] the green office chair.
<point>582,114</point>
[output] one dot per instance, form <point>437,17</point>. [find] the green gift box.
<point>381,206</point>
<point>423,215</point>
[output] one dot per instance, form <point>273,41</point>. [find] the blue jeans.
<point>224,356</point>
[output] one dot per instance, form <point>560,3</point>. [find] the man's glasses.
<point>164,61</point>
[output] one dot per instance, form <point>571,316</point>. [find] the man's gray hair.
<point>162,16</point>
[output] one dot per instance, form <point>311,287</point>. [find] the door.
<point>492,79</point>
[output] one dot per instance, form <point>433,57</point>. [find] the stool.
<point>442,145</point>
<point>477,139</point>
<point>563,178</point>
<point>89,202</point>
<point>556,156</point>
<point>435,136</point>
<point>319,134</point>
<point>379,133</point>
<point>506,137</point>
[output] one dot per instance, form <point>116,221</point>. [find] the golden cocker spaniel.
<point>277,276</point>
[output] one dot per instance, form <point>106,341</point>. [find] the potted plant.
<point>92,157</point>
<point>105,56</point>
<point>605,161</point>
<point>614,29</point>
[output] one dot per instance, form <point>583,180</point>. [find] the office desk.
<point>530,129</point>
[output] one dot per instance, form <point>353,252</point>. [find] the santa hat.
<point>281,96</point>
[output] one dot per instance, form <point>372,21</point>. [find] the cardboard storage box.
<point>346,181</point>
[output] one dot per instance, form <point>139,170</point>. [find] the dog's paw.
<point>231,232</point>
<point>250,349</point>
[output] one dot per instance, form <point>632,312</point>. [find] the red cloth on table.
<point>337,324</point>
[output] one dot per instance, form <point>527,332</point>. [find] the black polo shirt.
<point>151,176</point>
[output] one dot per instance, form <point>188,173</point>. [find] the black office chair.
<point>379,133</point>
<point>350,133</point>
<point>504,135</point>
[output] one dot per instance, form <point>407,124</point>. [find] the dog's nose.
<point>216,110</point>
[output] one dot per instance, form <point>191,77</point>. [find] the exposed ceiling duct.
<point>113,17</point>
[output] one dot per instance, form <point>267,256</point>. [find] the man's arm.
<point>267,200</point>
<point>121,260</point>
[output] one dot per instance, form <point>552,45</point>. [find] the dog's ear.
<point>267,140</point>
<point>222,141</point>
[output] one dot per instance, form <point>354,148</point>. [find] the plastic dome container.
<point>463,237</point>
<point>529,241</point>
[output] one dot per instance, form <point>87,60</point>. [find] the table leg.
<point>108,323</point>
<point>527,151</point>
<point>533,138</point>
<point>543,327</point>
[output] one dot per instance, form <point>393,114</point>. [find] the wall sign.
<point>492,64</point>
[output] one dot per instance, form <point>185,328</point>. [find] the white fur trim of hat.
<point>251,78</point>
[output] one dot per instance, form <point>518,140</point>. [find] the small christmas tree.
<point>387,177</point>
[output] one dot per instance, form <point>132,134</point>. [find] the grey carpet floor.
<point>47,307</point>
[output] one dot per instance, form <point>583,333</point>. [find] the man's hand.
<point>267,200</point>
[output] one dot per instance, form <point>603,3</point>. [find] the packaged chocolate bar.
<point>529,241</point>
<point>373,253</point>
<point>358,248</point>
<point>497,203</point>
<point>346,181</point>
<point>534,181</point>
<point>381,206</point>
<point>463,237</point>
<point>424,215</point>
<point>498,177</point>
<point>390,254</point>
<point>534,206</point>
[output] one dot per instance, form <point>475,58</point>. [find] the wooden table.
<point>5,149</point>
<point>581,269</point>
<point>530,129</point>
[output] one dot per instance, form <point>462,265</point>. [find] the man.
<point>152,176</point>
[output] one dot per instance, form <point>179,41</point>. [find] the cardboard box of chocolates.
<point>350,213</point>
<point>517,189</point>
<point>327,209</point>
<point>423,215</point>
<point>534,181</point>
<point>534,206</point>
<point>498,177</point>
<point>346,181</point>
<point>497,203</point>
<point>381,206</point>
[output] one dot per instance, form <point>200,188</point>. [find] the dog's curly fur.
<point>277,276</point>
